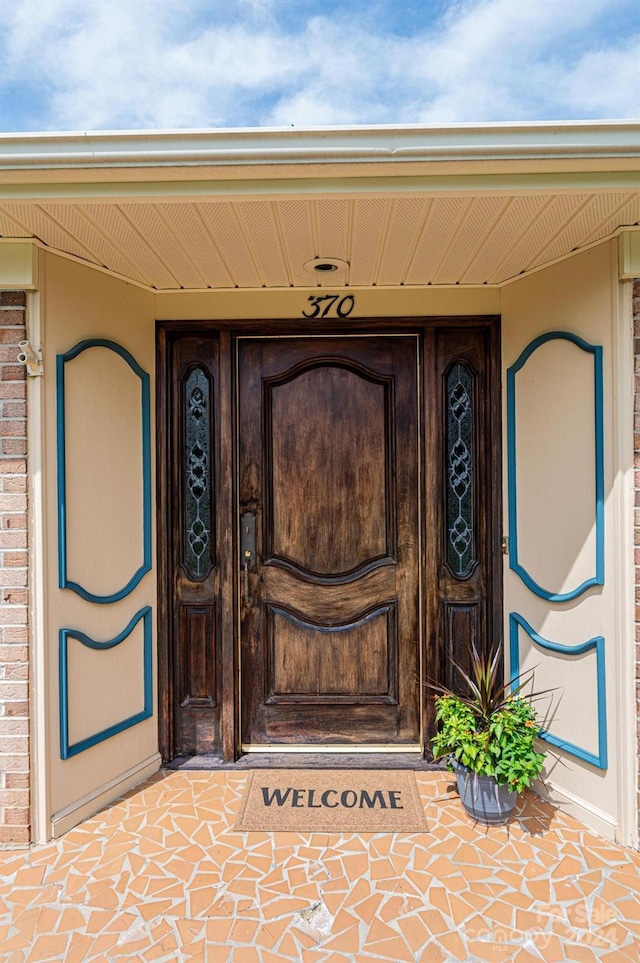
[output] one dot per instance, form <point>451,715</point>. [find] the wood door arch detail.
<point>380,686</point>
<point>311,448</point>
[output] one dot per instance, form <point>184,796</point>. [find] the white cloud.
<point>191,63</point>
<point>501,60</point>
<point>605,83</point>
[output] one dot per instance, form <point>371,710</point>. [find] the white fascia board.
<point>113,190</point>
<point>321,145</point>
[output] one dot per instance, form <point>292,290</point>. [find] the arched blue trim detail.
<point>64,581</point>
<point>514,563</point>
<point>67,750</point>
<point>600,760</point>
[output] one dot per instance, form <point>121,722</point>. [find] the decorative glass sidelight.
<point>460,481</point>
<point>197,469</point>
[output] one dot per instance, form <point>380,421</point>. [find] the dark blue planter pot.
<point>482,798</point>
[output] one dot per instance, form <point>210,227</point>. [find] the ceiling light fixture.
<point>326,265</point>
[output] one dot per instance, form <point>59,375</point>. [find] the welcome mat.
<point>332,801</point>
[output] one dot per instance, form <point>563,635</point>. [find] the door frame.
<point>227,654</point>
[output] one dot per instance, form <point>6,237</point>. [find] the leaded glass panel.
<point>197,475</point>
<point>460,474</point>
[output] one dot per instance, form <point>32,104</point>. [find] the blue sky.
<point>139,64</point>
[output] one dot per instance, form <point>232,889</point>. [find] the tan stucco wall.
<point>555,458</point>
<point>578,295</point>
<point>104,498</point>
<point>369,303</point>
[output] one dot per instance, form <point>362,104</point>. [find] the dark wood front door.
<point>328,475</point>
<point>368,463</point>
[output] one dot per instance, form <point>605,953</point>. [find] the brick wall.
<point>636,464</point>
<point>14,643</point>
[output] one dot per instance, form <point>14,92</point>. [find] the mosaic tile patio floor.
<point>160,875</point>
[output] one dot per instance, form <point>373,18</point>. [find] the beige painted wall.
<point>369,303</point>
<point>104,497</point>
<point>555,452</point>
<point>577,295</point>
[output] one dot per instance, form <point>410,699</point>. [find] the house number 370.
<point>323,306</point>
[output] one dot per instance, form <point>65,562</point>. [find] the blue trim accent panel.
<point>514,563</point>
<point>597,643</point>
<point>66,750</point>
<point>64,582</point>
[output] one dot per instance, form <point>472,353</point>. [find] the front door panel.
<point>329,607</point>
<point>369,568</point>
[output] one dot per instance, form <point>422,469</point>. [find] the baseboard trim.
<point>597,820</point>
<point>66,819</point>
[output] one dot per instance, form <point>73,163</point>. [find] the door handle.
<point>247,551</point>
<point>247,598</point>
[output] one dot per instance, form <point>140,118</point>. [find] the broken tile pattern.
<point>161,875</point>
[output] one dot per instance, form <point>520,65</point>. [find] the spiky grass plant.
<point>492,730</point>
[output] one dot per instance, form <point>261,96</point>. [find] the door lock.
<point>247,551</point>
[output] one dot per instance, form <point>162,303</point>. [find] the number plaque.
<point>323,305</point>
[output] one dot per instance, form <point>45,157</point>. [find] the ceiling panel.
<point>47,229</point>
<point>367,236</point>
<point>10,228</point>
<point>437,234</point>
<point>577,229</point>
<point>478,220</point>
<point>550,221</point>
<point>503,235</point>
<point>223,225</point>
<point>77,223</point>
<point>148,221</point>
<point>386,240</point>
<point>297,234</point>
<point>186,221</point>
<point>113,223</point>
<point>627,215</point>
<point>332,227</point>
<point>405,221</point>
<point>261,229</point>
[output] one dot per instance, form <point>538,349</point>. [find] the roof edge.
<point>548,140</point>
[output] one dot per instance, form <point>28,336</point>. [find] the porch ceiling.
<point>387,241</point>
<point>258,223</point>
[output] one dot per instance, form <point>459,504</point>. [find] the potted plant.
<point>490,737</point>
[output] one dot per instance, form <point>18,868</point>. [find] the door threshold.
<point>349,748</point>
<point>310,760</point>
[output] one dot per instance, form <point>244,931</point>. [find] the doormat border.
<point>254,816</point>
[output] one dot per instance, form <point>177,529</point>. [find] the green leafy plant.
<point>492,730</point>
